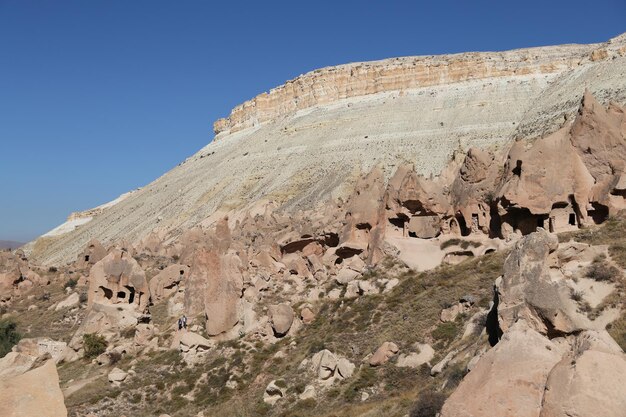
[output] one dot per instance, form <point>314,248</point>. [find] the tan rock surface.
<point>281,317</point>
<point>509,380</point>
<point>118,279</point>
<point>383,354</point>
<point>593,384</point>
<point>34,393</point>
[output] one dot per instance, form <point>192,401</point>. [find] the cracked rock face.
<point>528,292</point>
<point>509,380</point>
<point>30,383</point>
<point>551,360</point>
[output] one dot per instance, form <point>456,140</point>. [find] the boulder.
<point>309,392</point>
<point>144,333</point>
<point>272,393</point>
<point>33,393</point>
<point>346,275</point>
<point>71,301</point>
<point>324,364</point>
<point>416,359</point>
<point>281,318</point>
<point>386,351</point>
<point>345,368</point>
<point>307,315</point>
<point>194,342</point>
<point>117,376</point>
<point>441,365</point>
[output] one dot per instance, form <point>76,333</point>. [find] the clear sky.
<point>101,97</point>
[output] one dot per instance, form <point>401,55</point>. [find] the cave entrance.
<point>495,223</point>
<point>462,225</point>
<point>572,219</point>
<point>518,168</point>
<point>522,220</point>
<point>598,213</point>
<point>131,294</point>
<point>107,293</point>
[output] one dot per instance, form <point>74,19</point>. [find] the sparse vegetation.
<point>70,283</point>
<point>463,244</point>
<point>9,335</point>
<point>428,404</point>
<point>446,332</point>
<point>602,271</point>
<point>577,295</point>
<point>617,330</point>
<point>94,345</point>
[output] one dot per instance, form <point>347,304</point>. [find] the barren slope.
<point>300,157</point>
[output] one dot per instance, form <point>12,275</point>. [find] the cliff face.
<point>331,84</point>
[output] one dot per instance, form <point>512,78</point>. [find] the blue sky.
<point>101,97</point>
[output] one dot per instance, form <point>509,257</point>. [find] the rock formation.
<point>551,360</point>
<point>118,278</point>
<point>327,85</point>
<point>359,116</point>
<point>30,383</point>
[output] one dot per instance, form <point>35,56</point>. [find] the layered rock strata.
<point>330,84</point>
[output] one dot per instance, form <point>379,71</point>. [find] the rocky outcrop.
<point>167,281</point>
<point>551,360</point>
<point>385,352</point>
<point>327,85</point>
<point>215,284</point>
<point>92,254</point>
<point>16,276</point>
<point>29,382</point>
<point>509,379</point>
<point>118,279</point>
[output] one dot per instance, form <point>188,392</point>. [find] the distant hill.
<point>10,244</point>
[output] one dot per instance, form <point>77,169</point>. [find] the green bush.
<point>428,405</point>
<point>446,332</point>
<point>94,345</point>
<point>8,336</point>
<point>71,283</point>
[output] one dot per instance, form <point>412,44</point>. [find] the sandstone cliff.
<point>331,84</point>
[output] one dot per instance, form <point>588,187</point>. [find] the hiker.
<point>180,324</point>
<point>184,321</point>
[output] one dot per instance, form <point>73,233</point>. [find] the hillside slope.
<point>299,155</point>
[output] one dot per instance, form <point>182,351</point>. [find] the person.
<point>184,321</point>
<point>180,324</point>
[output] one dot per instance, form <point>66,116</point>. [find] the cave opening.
<point>108,294</point>
<point>131,294</point>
